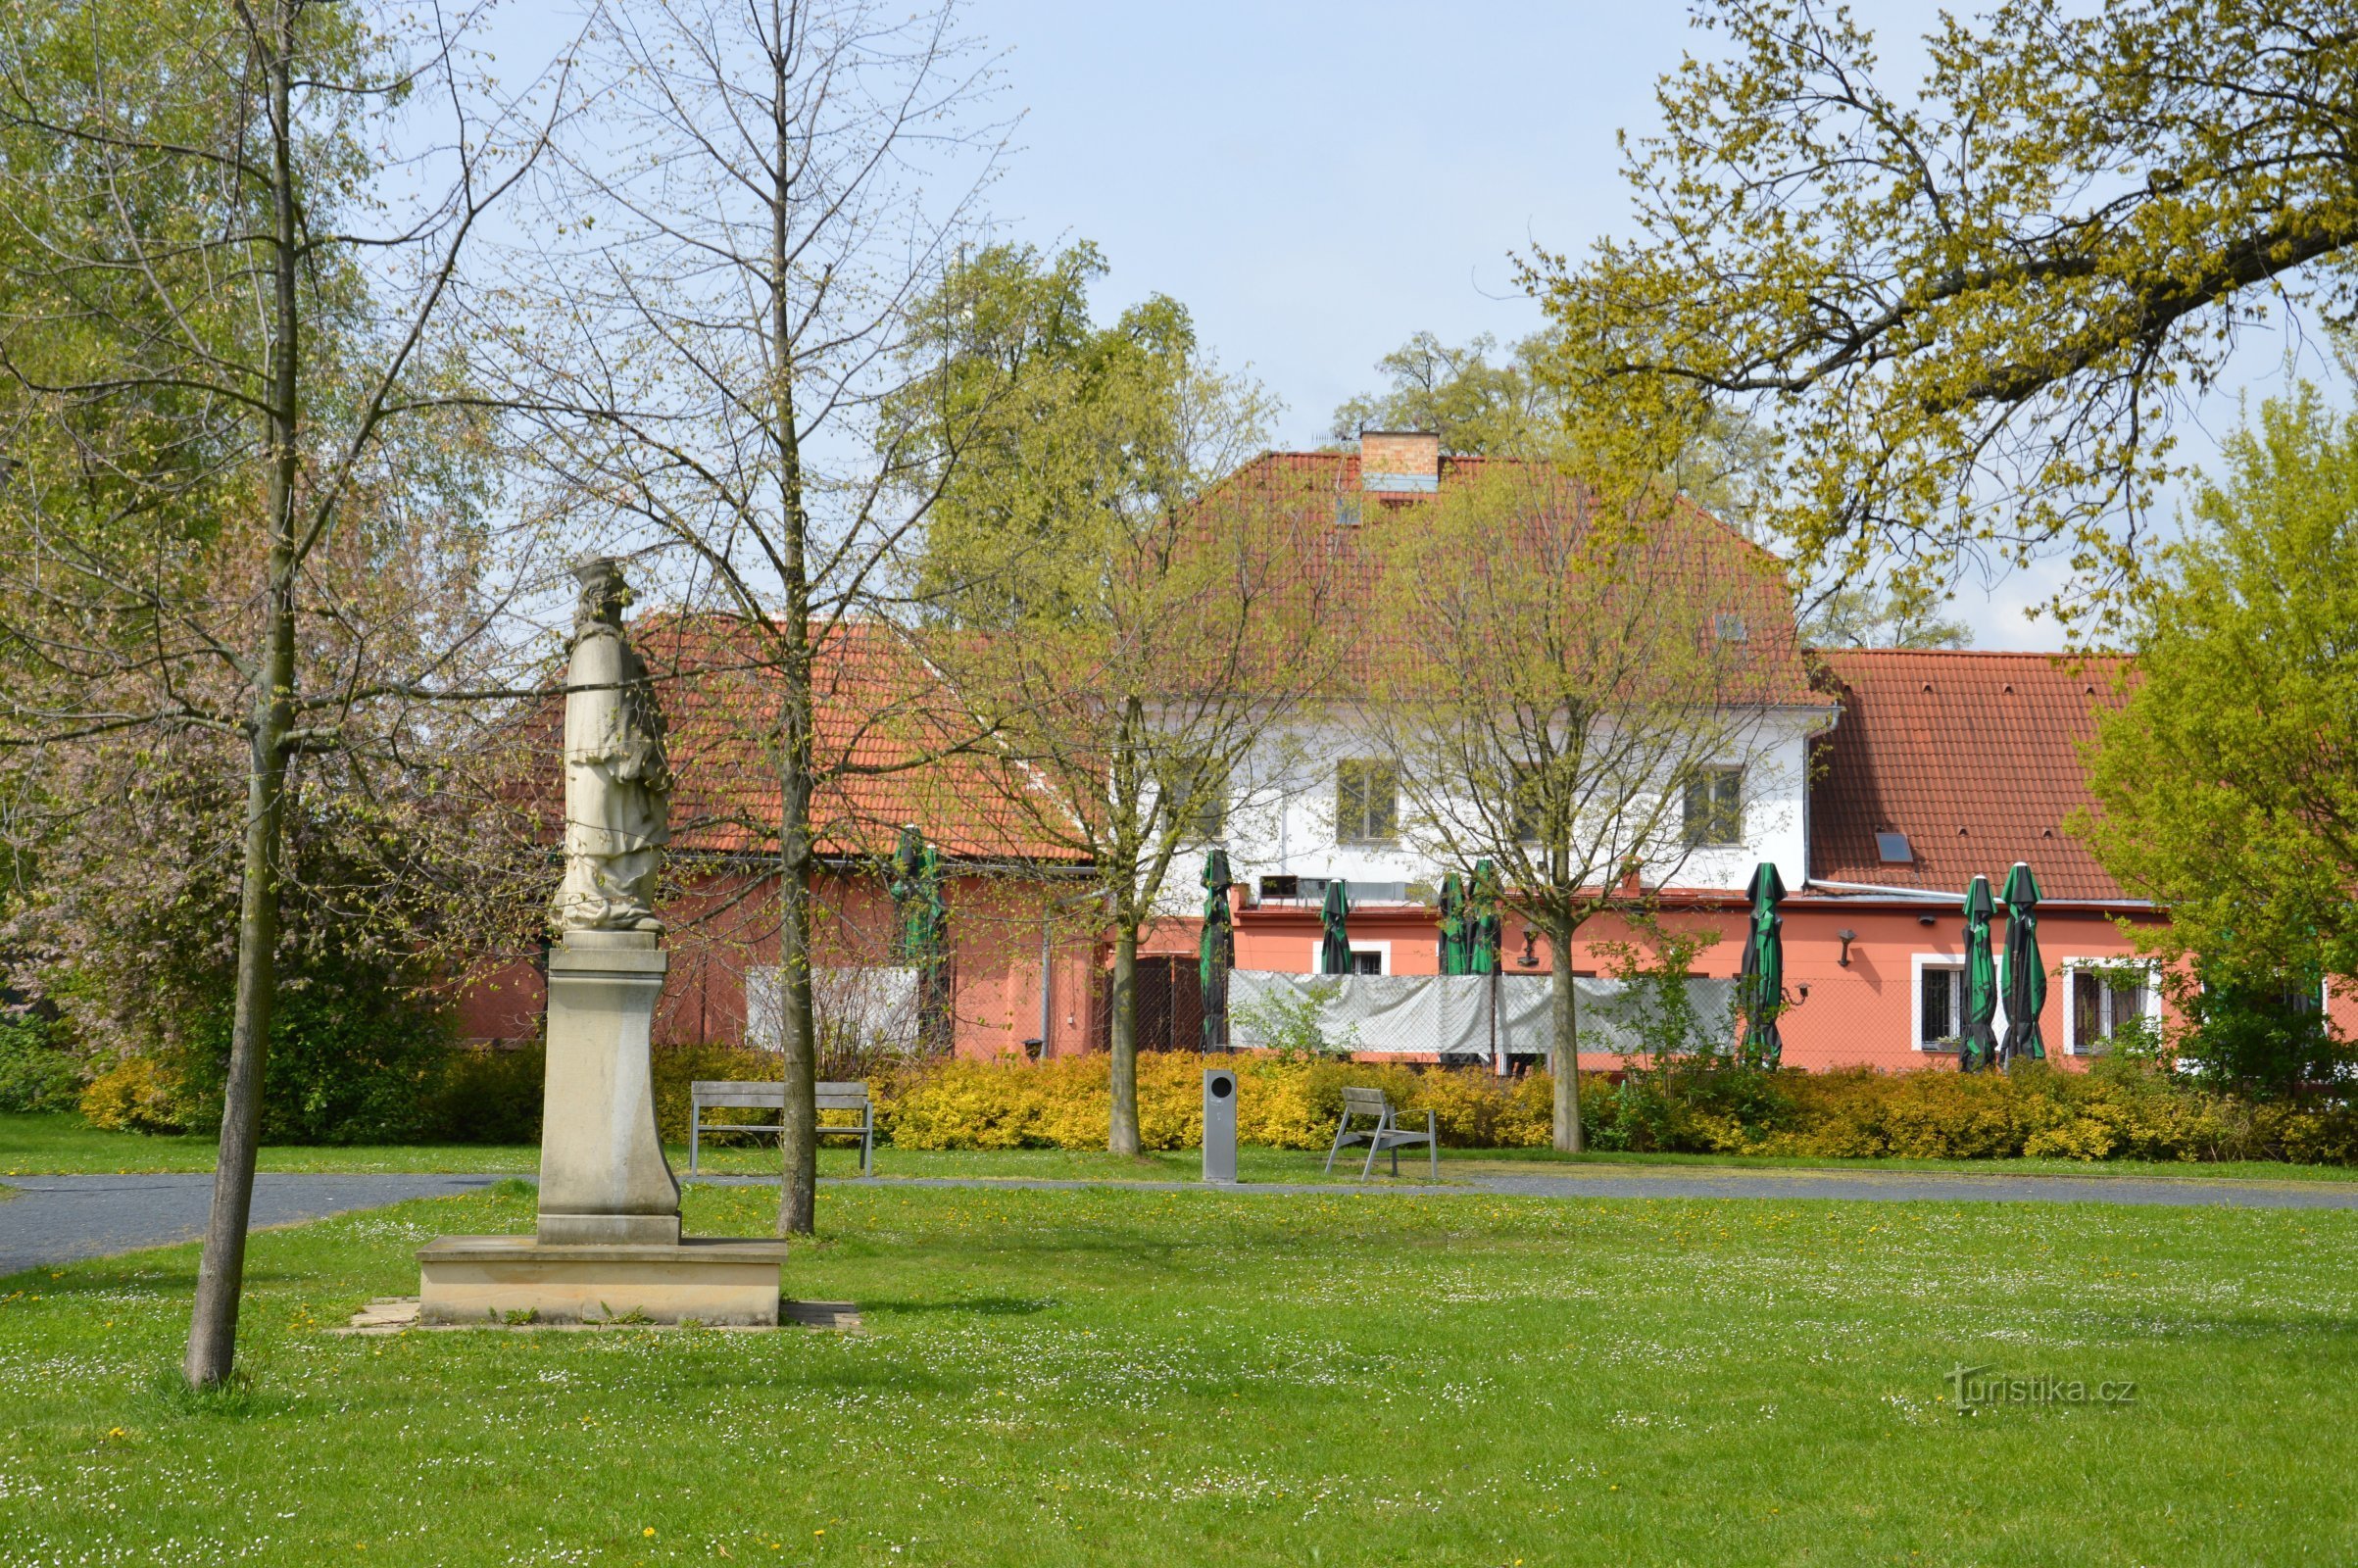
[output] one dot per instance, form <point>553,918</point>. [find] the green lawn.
<point>1115,1377</point>
<point>62,1143</point>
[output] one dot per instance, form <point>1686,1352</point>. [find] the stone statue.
<point>617,781</point>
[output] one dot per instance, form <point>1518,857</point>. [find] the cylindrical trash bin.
<point>1219,1124</point>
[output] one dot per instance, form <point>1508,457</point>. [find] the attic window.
<point>1891,849</point>
<point>1728,628</point>
<point>1347,509</point>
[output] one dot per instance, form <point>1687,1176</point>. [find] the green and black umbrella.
<point>921,932</point>
<point>2026,970</point>
<point>1978,1046</point>
<point>1216,953</point>
<point>1334,938</point>
<point>1482,934</point>
<point>1453,925</point>
<point>1760,982</point>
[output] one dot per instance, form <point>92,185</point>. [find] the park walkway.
<point>57,1219</point>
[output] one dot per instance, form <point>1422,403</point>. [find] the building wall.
<point>1281,818</point>
<point>1859,1015</point>
<point>727,923</point>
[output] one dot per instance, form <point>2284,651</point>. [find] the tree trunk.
<point>798,1120</point>
<point>220,1269</point>
<point>1563,1043</point>
<point>1121,1136</point>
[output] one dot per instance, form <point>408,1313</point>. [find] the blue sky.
<point>1318,181</point>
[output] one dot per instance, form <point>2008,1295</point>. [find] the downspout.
<point>1046,979</point>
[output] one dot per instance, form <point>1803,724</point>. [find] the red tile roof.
<point>886,727</point>
<point>1737,576</point>
<point>1973,756</point>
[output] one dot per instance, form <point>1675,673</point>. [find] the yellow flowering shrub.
<point>135,1095</point>
<point>2119,1111</point>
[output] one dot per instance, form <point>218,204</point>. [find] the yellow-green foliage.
<point>2121,1110</point>
<point>1283,1105</point>
<point>135,1095</point>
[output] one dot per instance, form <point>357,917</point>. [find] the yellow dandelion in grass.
<point>648,1531</point>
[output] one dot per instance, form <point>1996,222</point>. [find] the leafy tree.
<point>1968,312</point>
<point>1141,619</point>
<point>1871,614</point>
<point>240,509</point>
<point>2223,781</point>
<point>1475,405</point>
<point>1029,419</point>
<point>1581,696</point>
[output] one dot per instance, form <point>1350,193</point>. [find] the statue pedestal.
<point>603,1175</point>
<point>608,1245</point>
<point>492,1279</point>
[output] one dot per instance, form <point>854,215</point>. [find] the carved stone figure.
<point>617,780</point>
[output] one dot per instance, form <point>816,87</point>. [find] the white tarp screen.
<point>1446,1014</point>
<point>860,1007</point>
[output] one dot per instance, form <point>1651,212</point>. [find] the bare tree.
<point>1589,699</point>
<point>237,432</point>
<point>760,193</point>
<point>1148,654</point>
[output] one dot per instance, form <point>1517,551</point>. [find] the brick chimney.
<point>1400,461</point>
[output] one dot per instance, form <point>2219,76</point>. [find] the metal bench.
<point>1385,1134</point>
<point>715,1095</point>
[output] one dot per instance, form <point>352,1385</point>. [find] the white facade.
<point>1281,818</point>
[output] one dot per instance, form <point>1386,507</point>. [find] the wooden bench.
<point>715,1095</point>
<point>1385,1134</point>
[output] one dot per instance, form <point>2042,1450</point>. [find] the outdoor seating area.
<point>722,1095</point>
<point>1386,1135</point>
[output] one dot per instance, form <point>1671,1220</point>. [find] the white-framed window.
<point>1937,1002</point>
<point>1714,808</point>
<point>1937,1009</point>
<point>1366,958</point>
<point>1195,789</point>
<point>1367,802</point>
<point>2101,995</point>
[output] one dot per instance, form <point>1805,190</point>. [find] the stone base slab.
<point>607,1230</point>
<point>497,1279</point>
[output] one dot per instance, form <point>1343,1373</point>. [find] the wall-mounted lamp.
<point>1804,989</point>
<point>1529,960</point>
<point>1846,938</point>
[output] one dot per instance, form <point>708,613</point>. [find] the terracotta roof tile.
<point>884,723</point>
<point>1739,576</point>
<point>1975,756</point>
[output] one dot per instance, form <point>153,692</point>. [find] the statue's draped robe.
<point>617,787</point>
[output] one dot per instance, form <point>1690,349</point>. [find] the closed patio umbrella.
<point>1216,953</point>
<point>2025,984</point>
<point>920,939</point>
<point>1453,925</point>
<point>1760,983</point>
<point>1979,1047</point>
<point>1482,934</point>
<point>1334,933</point>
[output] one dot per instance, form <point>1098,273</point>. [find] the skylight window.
<point>1728,628</point>
<point>1892,849</point>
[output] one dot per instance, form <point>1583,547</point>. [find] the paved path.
<point>56,1219</point>
<point>1854,1186</point>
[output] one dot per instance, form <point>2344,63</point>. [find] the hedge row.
<point>2121,1111</point>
